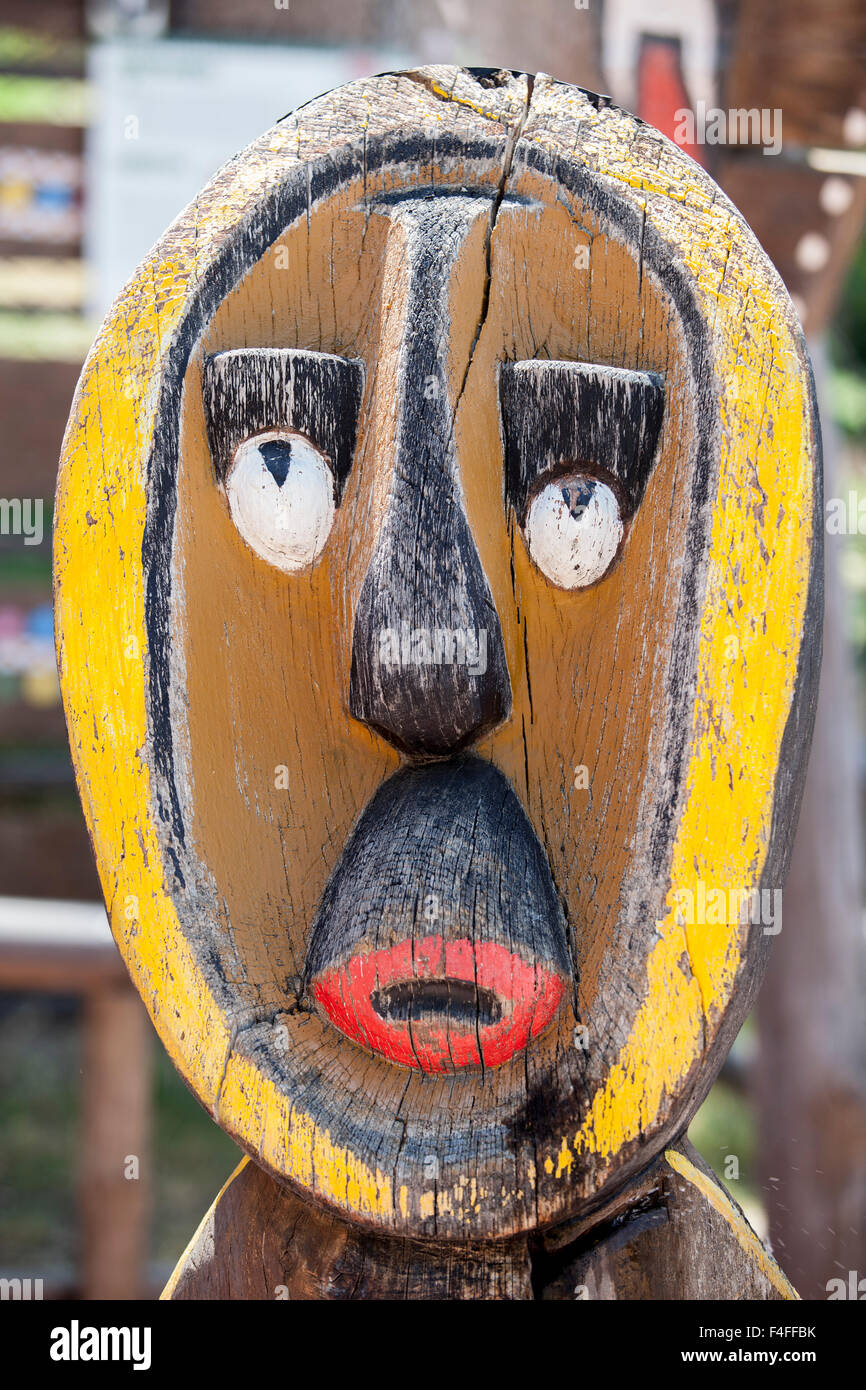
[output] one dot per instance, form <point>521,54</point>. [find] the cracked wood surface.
<point>674,1233</point>
<point>221,760</point>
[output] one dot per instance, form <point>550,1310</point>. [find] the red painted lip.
<point>410,1003</point>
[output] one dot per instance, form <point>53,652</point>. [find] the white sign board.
<point>168,113</point>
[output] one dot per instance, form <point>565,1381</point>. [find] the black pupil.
<point>277,454</point>
<point>577,495</point>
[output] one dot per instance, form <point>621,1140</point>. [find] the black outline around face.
<point>543,1113</point>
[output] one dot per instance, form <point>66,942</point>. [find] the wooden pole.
<point>450,533</point>
<point>63,948</point>
<point>674,1233</point>
<point>115,1178</point>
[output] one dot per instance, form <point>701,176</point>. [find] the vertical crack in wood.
<point>507,165</point>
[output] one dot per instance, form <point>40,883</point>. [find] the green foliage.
<point>44,337</point>
<point>30,48</point>
<point>40,1100</point>
<point>39,1071</point>
<point>848,334</point>
<point>44,100</point>
<point>192,1159</point>
<point>847,390</point>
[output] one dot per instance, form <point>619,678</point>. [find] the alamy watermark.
<point>846,516</point>
<point>21,1290</point>
<point>422,646</point>
<point>710,125</point>
<point>22,516</point>
<point>853,1288</point>
<point>721,907</point>
<point>77,1343</point>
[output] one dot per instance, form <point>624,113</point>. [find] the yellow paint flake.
<point>758,575</point>
<point>756,590</point>
<point>745,1236</point>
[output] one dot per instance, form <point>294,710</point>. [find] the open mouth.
<point>440,942</point>
<point>420,1001</point>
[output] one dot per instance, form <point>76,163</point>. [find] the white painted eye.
<point>280,490</point>
<point>573,530</point>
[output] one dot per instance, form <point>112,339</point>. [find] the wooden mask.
<point>438,603</point>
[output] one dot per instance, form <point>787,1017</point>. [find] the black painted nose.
<point>428,662</point>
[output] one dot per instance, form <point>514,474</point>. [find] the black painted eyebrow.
<point>248,390</point>
<point>557,412</point>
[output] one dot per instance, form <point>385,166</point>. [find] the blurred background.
<point>113,113</point>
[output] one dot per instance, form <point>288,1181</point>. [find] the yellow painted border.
<point>754,605</point>
<point>180,1268</point>
<point>742,1231</point>
<point>724,829</point>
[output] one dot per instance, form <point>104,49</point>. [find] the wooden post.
<point>441,697</point>
<point>67,948</point>
<point>115,1156</point>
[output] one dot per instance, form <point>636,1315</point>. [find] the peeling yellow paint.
<point>464,101</point>
<point>724,828</point>
<point>743,1233</point>
<point>723,834</point>
<point>566,1158</point>
<point>168,1292</point>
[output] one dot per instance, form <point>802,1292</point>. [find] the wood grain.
<point>228,737</point>
<point>673,1233</point>
<point>315,394</point>
<point>558,414</point>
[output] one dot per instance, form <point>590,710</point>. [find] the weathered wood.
<point>559,415</point>
<point>261,1241</point>
<point>67,948</point>
<point>311,393</point>
<point>430,708</point>
<point>114,1180</point>
<point>674,1233</point>
<point>807,1076</point>
<point>681,1236</point>
<point>798,68</point>
<point>475,241</point>
<point>469,975</point>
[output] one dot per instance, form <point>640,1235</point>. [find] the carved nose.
<point>428,662</point>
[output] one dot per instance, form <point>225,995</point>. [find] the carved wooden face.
<point>443,935</point>
<point>434,584</point>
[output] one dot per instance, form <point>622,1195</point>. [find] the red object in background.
<point>661,90</point>
<point>12,618</point>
